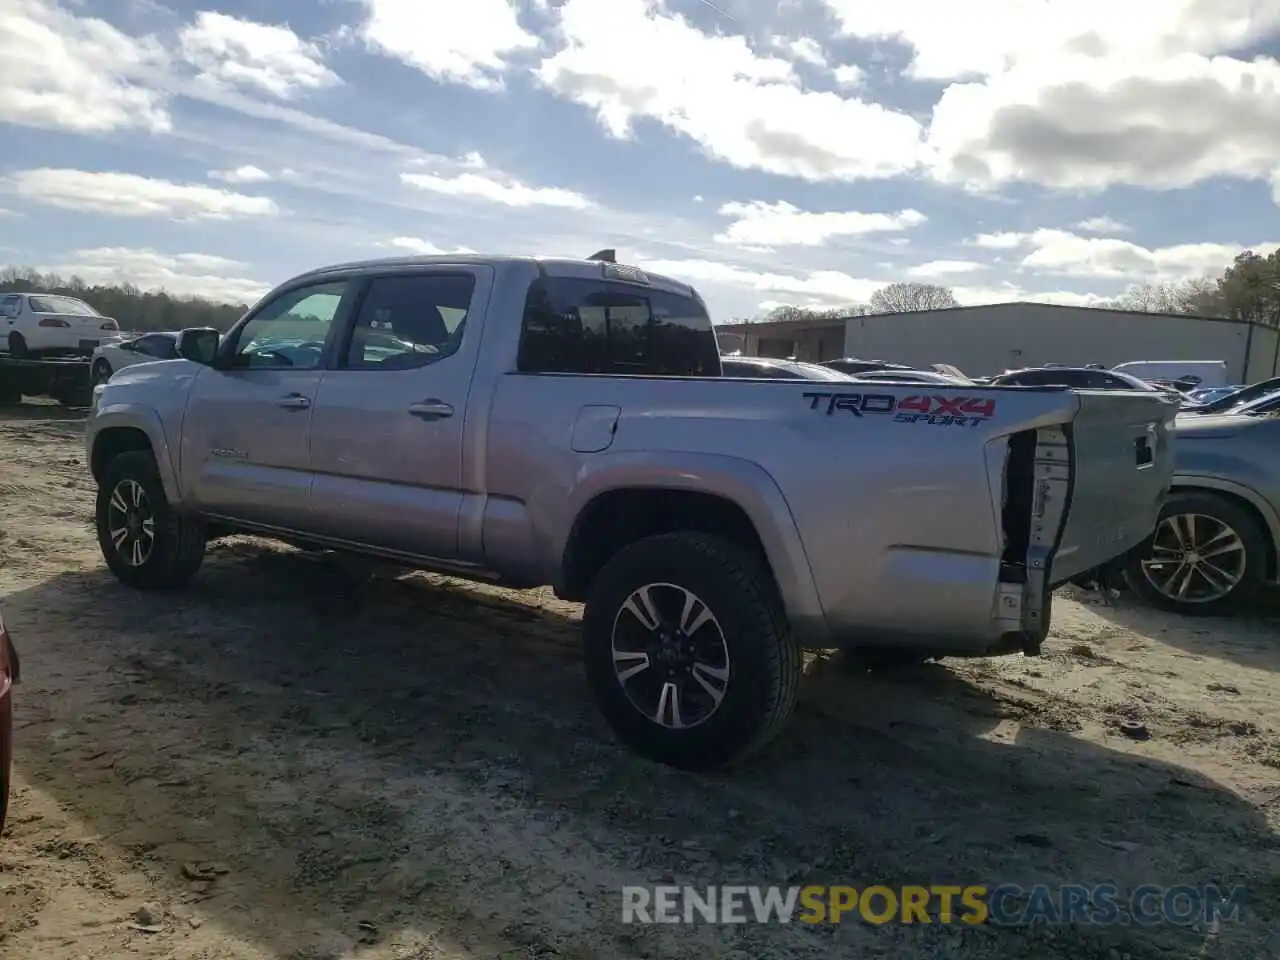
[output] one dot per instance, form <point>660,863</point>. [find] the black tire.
<point>1253,540</point>
<point>9,393</point>
<point>763,660</point>
<point>101,372</point>
<point>177,543</point>
<point>18,346</point>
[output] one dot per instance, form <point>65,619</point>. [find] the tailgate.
<point>1122,458</point>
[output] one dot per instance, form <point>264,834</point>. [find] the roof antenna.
<point>608,255</point>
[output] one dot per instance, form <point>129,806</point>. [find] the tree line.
<point>1248,289</point>
<point>132,308</point>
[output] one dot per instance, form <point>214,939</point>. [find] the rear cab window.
<point>602,326</point>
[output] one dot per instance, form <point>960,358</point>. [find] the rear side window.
<point>597,326</point>
<point>410,321</point>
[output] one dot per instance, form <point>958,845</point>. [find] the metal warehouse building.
<point>990,339</point>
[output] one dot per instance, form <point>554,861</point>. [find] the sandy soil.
<point>285,763</point>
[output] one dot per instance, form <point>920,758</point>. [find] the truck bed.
<point>916,511</point>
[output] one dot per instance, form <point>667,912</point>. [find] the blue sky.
<point>794,151</point>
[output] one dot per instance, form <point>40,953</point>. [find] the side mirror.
<point>199,345</point>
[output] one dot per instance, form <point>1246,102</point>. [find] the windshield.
<point>64,305</point>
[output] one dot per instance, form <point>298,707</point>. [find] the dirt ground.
<point>280,764</point>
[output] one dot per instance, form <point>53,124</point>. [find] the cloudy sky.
<point>803,151</point>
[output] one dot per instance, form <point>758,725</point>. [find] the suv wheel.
<point>1206,557</point>
<point>101,372</point>
<point>145,542</point>
<point>688,651</point>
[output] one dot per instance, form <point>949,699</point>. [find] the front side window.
<point>410,321</point>
<point>291,330</point>
<point>597,326</point>
<point>161,348</point>
<point>64,305</point>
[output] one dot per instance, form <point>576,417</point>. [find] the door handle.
<point>431,410</point>
<point>294,401</point>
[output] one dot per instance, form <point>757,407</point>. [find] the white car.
<point>147,348</point>
<point>38,323</point>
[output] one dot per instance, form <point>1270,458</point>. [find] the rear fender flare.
<point>744,483</point>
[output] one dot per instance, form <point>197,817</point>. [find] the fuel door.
<point>594,429</point>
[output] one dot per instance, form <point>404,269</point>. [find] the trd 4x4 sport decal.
<point>932,408</point>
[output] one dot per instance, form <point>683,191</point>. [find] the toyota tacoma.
<point>535,422</point>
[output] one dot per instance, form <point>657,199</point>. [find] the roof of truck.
<point>559,265</point>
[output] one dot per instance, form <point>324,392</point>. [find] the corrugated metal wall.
<point>986,340</point>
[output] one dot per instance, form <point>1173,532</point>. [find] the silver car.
<point>1214,547</point>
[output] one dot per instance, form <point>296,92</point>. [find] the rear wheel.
<point>145,542</point>
<point>688,651</point>
<point>18,348</point>
<point>1206,557</point>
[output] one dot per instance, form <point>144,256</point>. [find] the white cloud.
<point>75,73</point>
<point>628,60</point>
<point>1102,225</point>
<point>245,174</point>
<point>940,269</point>
<point>423,248</point>
<point>478,182</point>
<point>821,286</point>
<point>759,224</point>
<point>128,195</point>
<point>998,241</point>
<point>804,49</point>
<point>258,56</point>
<point>1089,93</point>
<point>469,44</point>
<point>849,76</point>
<point>182,274</point>
<point>1068,254</point>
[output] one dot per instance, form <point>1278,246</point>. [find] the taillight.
<point>53,322</point>
<point>110,325</point>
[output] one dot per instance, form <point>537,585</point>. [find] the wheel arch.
<point>1245,499</point>
<point>630,496</point>
<point>119,431</point>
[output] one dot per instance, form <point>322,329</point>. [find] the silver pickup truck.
<point>565,422</point>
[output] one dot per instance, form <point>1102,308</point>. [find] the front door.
<point>246,437</point>
<point>387,430</point>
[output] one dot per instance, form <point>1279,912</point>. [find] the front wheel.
<point>101,372</point>
<point>146,543</point>
<point>688,651</point>
<point>1206,557</point>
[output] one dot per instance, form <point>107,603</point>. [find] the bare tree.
<point>1197,297</point>
<point>788,312</point>
<point>905,297</point>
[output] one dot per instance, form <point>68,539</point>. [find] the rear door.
<point>387,429</point>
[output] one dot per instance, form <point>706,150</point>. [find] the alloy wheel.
<point>670,655</point>
<point>131,523</point>
<point>1195,558</point>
